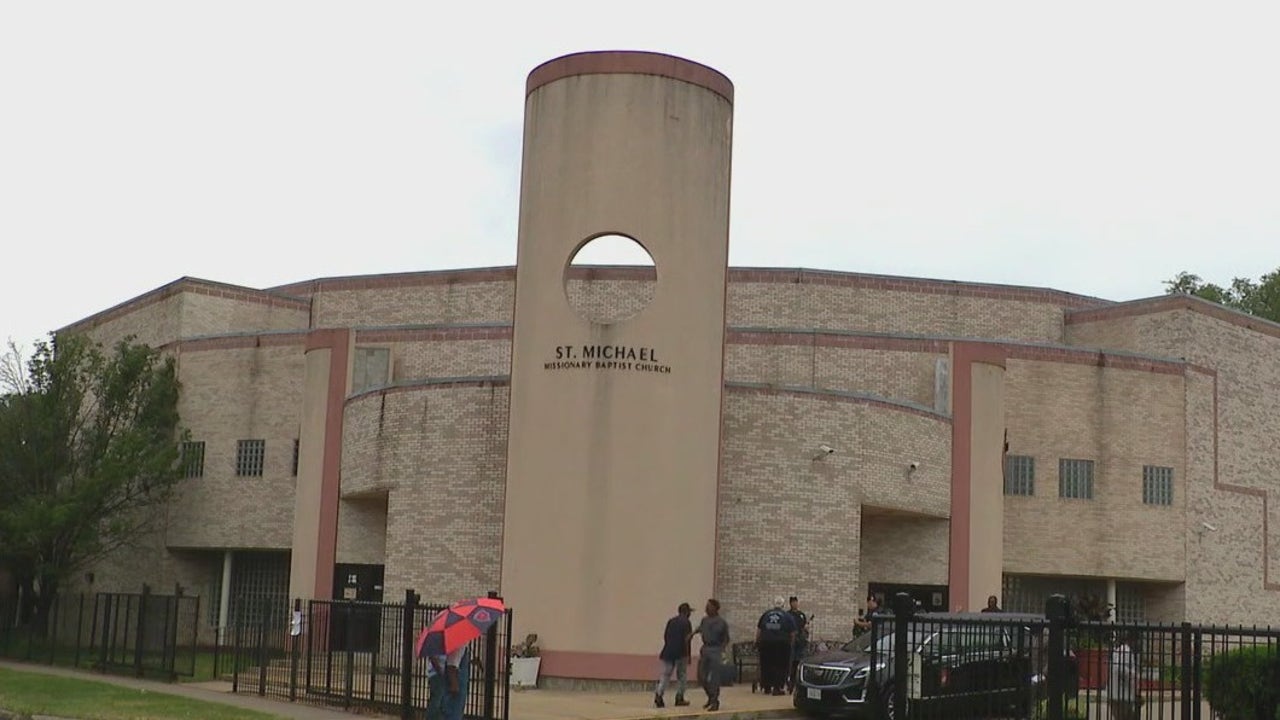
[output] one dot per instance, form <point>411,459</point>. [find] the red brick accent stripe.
<point>832,396</point>
<point>794,276</point>
<point>1167,303</point>
<point>194,287</point>
<point>914,285</point>
<point>239,342</point>
<point>399,280</point>
<point>1259,493</point>
<point>610,62</point>
<point>939,346</point>
<point>431,334</point>
<point>434,384</point>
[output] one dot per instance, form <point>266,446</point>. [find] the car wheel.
<point>890,711</point>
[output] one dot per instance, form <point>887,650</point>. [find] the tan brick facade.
<point>856,362</point>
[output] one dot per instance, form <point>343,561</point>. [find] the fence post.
<point>295,638</point>
<point>406,654</point>
<point>107,628</point>
<point>79,628</point>
<point>262,648</point>
<point>904,608</point>
<point>51,634</point>
<point>491,663</point>
<point>1058,611</point>
<point>235,650</point>
<point>349,676</point>
<point>1185,682</point>
<point>140,637</point>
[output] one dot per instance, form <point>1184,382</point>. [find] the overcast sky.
<point>1097,147</point>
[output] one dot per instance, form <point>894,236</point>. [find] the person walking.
<point>801,647</point>
<point>449,679</point>
<point>715,638</point>
<point>775,636</point>
<point>1123,698</point>
<point>675,655</point>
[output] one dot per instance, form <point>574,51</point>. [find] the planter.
<point>1094,664</point>
<point>524,672</point>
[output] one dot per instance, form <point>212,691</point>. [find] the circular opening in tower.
<point>610,278</point>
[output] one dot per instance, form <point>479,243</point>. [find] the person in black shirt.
<point>775,635</point>
<point>993,605</point>
<point>676,640</point>
<point>801,623</point>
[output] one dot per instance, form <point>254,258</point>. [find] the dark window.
<point>192,459</point>
<point>295,457</point>
<point>250,457</point>
<point>1157,485</point>
<point>1019,475</point>
<point>1075,479</point>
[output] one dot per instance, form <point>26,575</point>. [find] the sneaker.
<point>713,706</point>
<point>680,701</point>
<point>658,702</point>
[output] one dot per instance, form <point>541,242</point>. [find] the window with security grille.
<point>192,459</point>
<point>371,368</point>
<point>259,587</point>
<point>296,443</point>
<point>250,457</point>
<point>1075,479</point>
<point>1157,485</point>
<point>1019,475</point>
<point>1131,605</point>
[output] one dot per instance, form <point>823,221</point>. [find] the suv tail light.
<point>946,676</point>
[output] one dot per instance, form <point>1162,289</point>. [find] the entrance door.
<point>356,626</point>
<point>929,598</point>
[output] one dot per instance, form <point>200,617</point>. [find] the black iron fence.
<point>1046,667</point>
<point>357,654</point>
<point>144,634</point>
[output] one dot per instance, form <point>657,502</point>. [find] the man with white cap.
<point>775,634</point>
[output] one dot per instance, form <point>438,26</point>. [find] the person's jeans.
<point>440,704</point>
<point>679,667</point>
<point>709,674</point>
<point>454,705</point>
<point>438,688</point>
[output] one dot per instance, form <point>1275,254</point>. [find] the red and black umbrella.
<point>458,625</point>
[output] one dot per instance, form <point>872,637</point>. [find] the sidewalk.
<point>737,702</point>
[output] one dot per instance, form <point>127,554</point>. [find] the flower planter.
<point>1094,665</point>
<point>524,672</point>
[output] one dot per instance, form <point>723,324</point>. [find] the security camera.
<point>914,466</point>
<point>1209,526</point>
<point>826,449</point>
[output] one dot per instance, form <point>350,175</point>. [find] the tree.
<point>1260,298</point>
<point>88,455</point>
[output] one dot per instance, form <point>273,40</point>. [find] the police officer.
<point>801,646</point>
<point>775,636</point>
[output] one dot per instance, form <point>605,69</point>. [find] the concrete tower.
<point>614,442</point>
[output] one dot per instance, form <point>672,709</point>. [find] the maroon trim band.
<point>630,62</point>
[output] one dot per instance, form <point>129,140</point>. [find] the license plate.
<point>814,694</point>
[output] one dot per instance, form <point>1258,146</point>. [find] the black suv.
<point>969,664</point>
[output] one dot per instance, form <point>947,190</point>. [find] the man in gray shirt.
<point>715,638</point>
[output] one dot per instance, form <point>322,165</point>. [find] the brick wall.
<point>212,315</point>
<point>1120,419</point>
<point>1232,457</point>
<point>362,531</point>
<point>790,524</point>
<point>439,451</point>
<point>455,302</point>
<point>230,394</point>
<point>902,549</point>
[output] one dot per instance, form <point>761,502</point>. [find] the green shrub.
<point>1077,708</point>
<point>1241,684</point>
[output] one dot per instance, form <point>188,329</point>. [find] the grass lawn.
<point>34,693</point>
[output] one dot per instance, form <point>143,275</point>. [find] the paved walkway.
<point>737,702</point>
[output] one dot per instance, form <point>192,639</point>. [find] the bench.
<point>746,656</point>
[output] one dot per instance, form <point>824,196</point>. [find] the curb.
<point>772,714</point>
